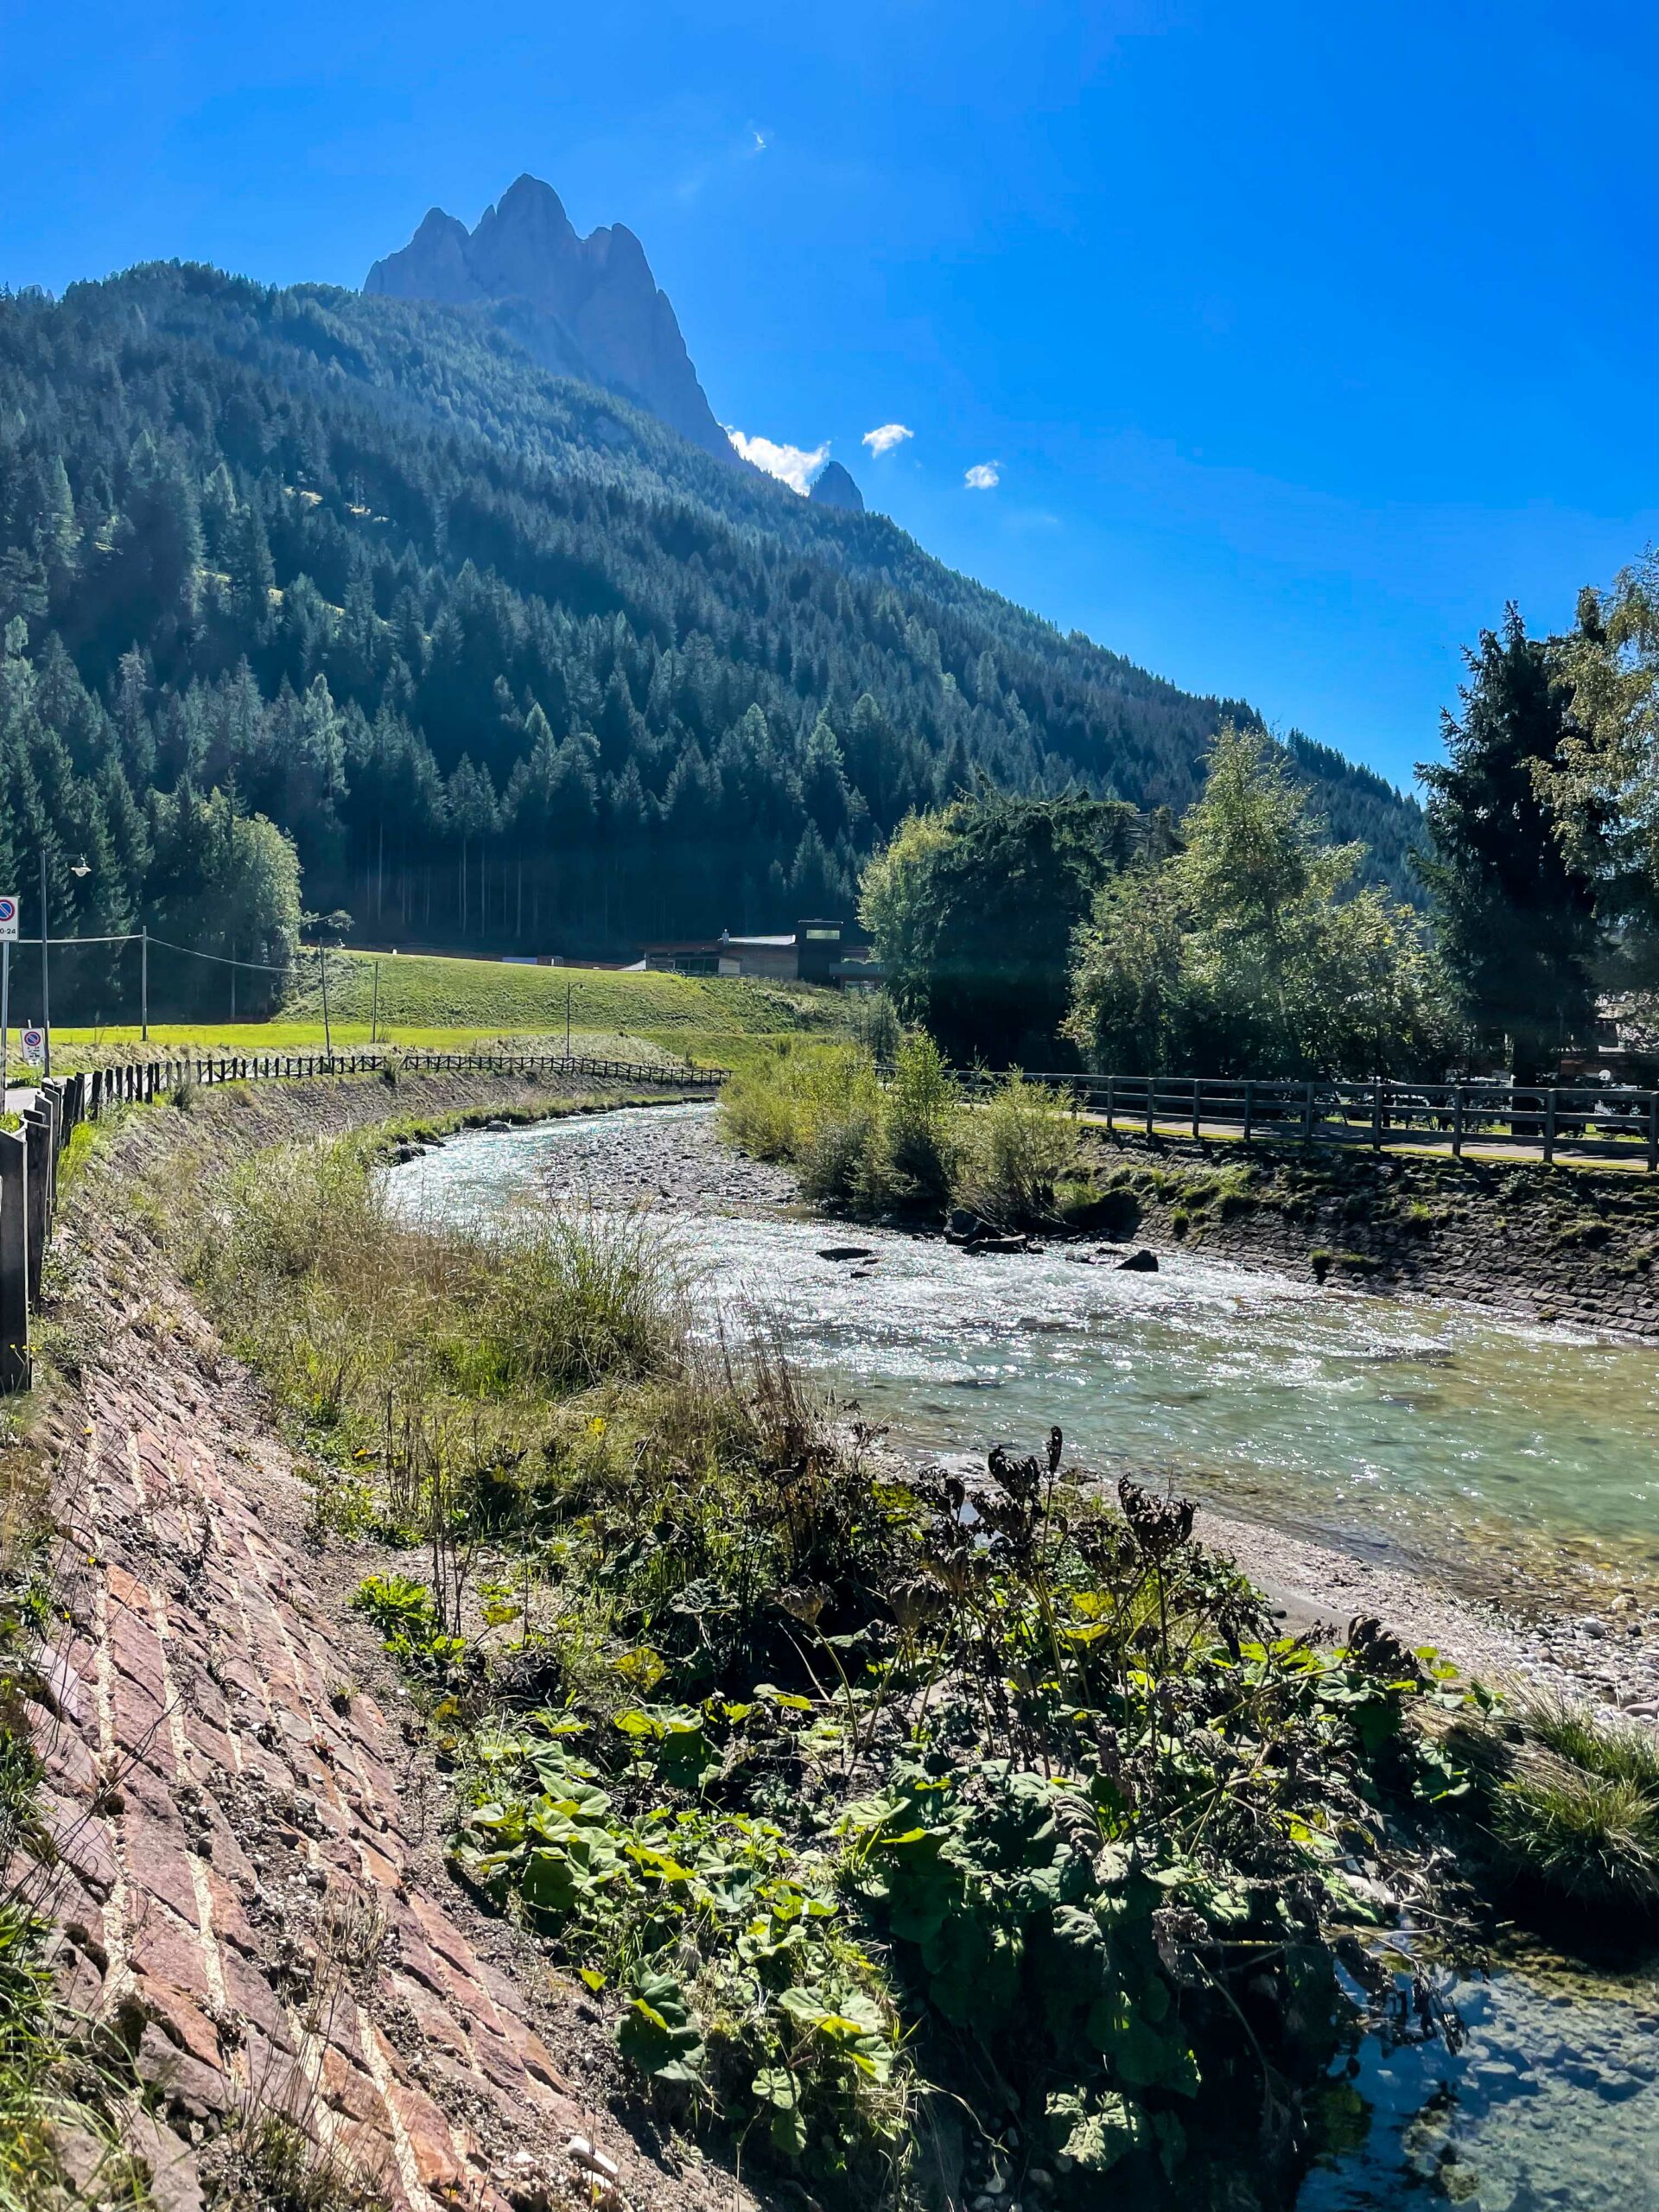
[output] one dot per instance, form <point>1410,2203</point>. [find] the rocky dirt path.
<point>247,1885</point>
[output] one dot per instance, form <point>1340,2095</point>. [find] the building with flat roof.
<point>812,952</point>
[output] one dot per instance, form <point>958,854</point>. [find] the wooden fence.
<point>1595,1119</point>
<point>29,1155</point>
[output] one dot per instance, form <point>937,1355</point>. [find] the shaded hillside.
<point>512,662</point>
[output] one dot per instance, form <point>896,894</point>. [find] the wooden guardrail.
<point>29,1155</point>
<point>1597,1120</point>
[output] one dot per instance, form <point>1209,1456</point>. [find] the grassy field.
<point>449,1005</point>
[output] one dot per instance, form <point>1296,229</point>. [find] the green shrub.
<point>775,1106</point>
<point>920,1107</point>
<point>1015,1150</point>
<point>743,1986</point>
<point>841,1160</point>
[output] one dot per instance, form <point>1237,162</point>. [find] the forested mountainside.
<point>512,661</point>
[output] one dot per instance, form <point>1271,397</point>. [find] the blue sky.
<point>1298,338</point>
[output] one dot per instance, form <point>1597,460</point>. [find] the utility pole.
<point>45,965</point>
<point>328,1034</point>
<point>143,985</point>
<point>5,1013</point>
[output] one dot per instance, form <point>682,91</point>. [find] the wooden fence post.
<point>1653,1130</point>
<point>1195,1109</point>
<point>1249,1110</point>
<point>1308,1114</point>
<point>14,1261</point>
<point>1456,1121</point>
<point>37,1137</point>
<point>1549,1125</point>
<point>1376,1113</point>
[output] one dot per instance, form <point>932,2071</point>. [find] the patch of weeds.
<point>743,1987</point>
<point>267,2162</point>
<point>1321,1260</point>
<point>1586,1230</point>
<point>407,1616</point>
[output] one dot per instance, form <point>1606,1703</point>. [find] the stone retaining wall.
<point>252,1912</point>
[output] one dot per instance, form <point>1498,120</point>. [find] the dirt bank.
<point>1566,1244</point>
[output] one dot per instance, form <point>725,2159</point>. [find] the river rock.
<point>1142,1262</point>
<point>994,1244</point>
<point>847,1252</point>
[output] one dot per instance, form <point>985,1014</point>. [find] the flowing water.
<point>1512,1458</point>
<point>1520,1459</point>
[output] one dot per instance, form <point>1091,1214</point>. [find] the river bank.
<point>1565,1243</point>
<point>266,1987</point>
<point>1567,1623</point>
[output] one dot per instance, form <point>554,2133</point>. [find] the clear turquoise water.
<point>1523,1459</point>
<point>1516,1457</point>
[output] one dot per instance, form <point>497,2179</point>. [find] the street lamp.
<point>82,866</point>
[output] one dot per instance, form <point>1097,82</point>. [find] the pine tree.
<point>1516,920</point>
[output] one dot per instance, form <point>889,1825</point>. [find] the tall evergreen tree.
<point>1516,918</point>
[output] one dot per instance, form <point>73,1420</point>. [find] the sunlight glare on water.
<point>1428,1433</point>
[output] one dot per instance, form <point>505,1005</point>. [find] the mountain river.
<point>1509,1461</point>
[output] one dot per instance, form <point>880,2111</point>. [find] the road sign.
<point>7,921</point>
<point>34,1041</point>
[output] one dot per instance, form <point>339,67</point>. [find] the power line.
<point>264,967</point>
<point>194,952</point>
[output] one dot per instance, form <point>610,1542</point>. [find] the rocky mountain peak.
<point>587,307</point>
<point>834,488</point>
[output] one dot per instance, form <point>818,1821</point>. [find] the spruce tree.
<point>1516,920</point>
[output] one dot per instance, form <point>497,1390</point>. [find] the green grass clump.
<point>1575,1808</point>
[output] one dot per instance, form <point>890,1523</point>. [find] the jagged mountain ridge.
<point>584,307</point>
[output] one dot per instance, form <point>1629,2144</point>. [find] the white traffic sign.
<point>34,1042</point>
<point>9,923</point>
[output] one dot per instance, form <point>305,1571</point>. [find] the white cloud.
<point>889,435</point>
<point>792,465</point>
<point>759,138</point>
<point>983,476</point>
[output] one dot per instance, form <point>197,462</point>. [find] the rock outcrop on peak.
<point>586,308</point>
<point>836,488</point>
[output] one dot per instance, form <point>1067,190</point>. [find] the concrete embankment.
<point>243,1831</point>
